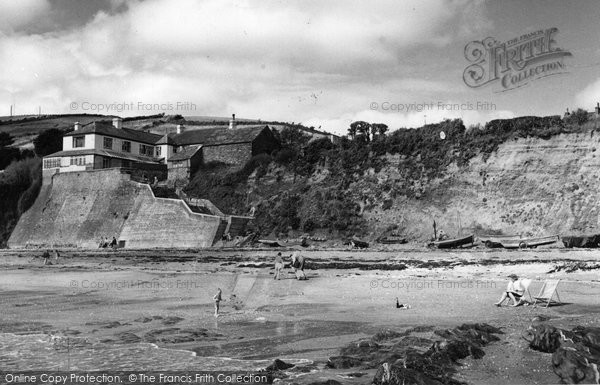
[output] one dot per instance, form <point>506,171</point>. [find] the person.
<point>298,266</point>
<point>218,299</point>
<point>278,266</point>
<point>56,256</point>
<point>113,243</point>
<point>442,235</point>
<point>401,305</point>
<point>46,256</point>
<point>514,291</point>
<point>102,243</point>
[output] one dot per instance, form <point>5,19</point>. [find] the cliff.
<point>528,186</point>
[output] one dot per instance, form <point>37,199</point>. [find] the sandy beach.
<point>128,309</point>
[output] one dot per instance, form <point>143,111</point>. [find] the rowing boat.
<point>523,243</point>
<point>455,242</point>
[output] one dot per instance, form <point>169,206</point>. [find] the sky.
<point>321,63</point>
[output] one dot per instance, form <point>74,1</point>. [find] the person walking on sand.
<point>298,266</point>
<point>278,266</point>
<point>218,299</point>
<point>514,291</point>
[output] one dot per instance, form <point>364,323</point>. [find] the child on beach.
<point>217,298</point>
<point>278,266</point>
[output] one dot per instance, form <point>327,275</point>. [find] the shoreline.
<point>268,319</point>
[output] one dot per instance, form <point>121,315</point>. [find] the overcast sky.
<point>322,63</point>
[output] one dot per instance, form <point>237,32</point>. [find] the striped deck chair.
<point>526,282</point>
<point>547,293</point>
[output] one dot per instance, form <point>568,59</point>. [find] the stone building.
<point>102,145</point>
<point>233,146</point>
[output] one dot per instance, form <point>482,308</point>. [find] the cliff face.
<point>529,186</point>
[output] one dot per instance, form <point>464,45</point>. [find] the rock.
<point>576,353</point>
<point>574,366</point>
<point>343,362</point>
<point>399,375</point>
<point>143,319</point>
<point>128,338</point>
<point>544,338</point>
<point>172,320</point>
<point>278,365</point>
<point>360,348</point>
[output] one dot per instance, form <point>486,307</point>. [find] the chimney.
<point>180,128</point>
<point>77,126</point>
<point>232,122</point>
<point>118,123</point>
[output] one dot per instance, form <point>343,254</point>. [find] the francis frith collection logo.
<point>516,62</point>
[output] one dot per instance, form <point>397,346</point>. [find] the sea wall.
<point>77,209</point>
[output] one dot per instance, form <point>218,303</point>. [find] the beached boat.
<point>270,242</point>
<point>455,242</point>
<point>357,243</point>
<point>523,243</point>
<point>495,241</point>
<point>585,241</point>
<point>392,239</point>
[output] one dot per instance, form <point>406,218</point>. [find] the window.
<point>146,150</point>
<point>126,146</point>
<point>157,151</point>
<point>105,162</point>
<point>78,161</point>
<point>108,142</point>
<point>78,141</point>
<point>52,163</point>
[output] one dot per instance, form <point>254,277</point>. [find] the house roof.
<point>215,136</point>
<point>110,154</point>
<point>107,129</point>
<point>185,154</point>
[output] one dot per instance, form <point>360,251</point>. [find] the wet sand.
<point>164,297</point>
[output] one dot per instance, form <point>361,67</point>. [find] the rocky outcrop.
<point>405,358</point>
<point>575,353</point>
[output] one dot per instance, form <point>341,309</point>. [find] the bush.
<point>578,117</point>
<point>48,142</point>
<point>20,184</point>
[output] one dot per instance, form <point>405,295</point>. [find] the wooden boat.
<point>270,242</point>
<point>357,243</point>
<point>392,239</point>
<point>455,242</point>
<point>523,243</point>
<point>277,243</point>
<point>584,241</point>
<point>495,241</point>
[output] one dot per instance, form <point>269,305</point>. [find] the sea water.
<point>42,351</point>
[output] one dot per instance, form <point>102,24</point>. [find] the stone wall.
<point>77,209</point>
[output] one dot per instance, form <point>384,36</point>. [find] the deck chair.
<point>526,282</point>
<point>547,293</point>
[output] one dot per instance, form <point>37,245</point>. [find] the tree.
<point>48,142</point>
<point>360,129</point>
<point>5,139</point>
<point>579,117</point>
<point>378,129</point>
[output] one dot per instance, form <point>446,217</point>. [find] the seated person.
<point>514,291</point>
